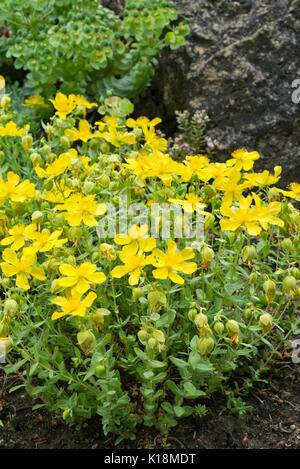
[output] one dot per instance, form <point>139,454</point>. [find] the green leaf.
<point>179,411</point>
<point>13,368</point>
<point>191,391</point>
<point>172,386</point>
<point>148,374</point>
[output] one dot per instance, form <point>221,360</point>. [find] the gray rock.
<point>239,63</point>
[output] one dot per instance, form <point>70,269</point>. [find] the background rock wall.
<point>239,63</point>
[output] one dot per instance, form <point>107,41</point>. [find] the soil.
<point>273,423</point>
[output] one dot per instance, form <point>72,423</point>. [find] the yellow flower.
<point>80,100</point>
<point>138,165</point>
<point>21,267</point>
<point>160,165</point>
<point>63,105</point>
<point>18,234</point>
<point>218,171</point>
<point>293,192</point>
<point>74,305</point>
<point>134,260</point>
<point>80,276</point>
<point>79,161</point>
<point>264,178</point>
<point>2,82</point>
<point>35,101</point>
<point>151,139</point>
<point>265,214</point>
<point>191,204</point>
<point>137,234</point>
<point>231,187</point>
<point>242,159</point>
<point>242,216</point>
<point>118,138</point>
<point>45,241</point>
<point>83,133</point>
<point>82,209</point>
<point>171,262</point>
<point>4,101</point>
<point>14,191</point>
<point>196,164</point>
<point>54,169</point>
<point>58,196</point>
<point>11,130</point>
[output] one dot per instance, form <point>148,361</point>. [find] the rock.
<point>239,63</point>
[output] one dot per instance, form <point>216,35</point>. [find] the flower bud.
<point>287,245</point>
<point>104,147</point>
<point>37,217</point>
<point>219,327</point>
<point>233,328</point>
<point>54,286</point>
<point>88,187</point>
<point>27,141</point>
<point>200,320</point>
<point>232,325</point>
<point>209,192</point>
<point>36,159</point>
<point>137,293</point>
<point>207,255</point>
<point>10,306</point>
<point>74,233</point>
<point>46,149</point>
<point>152,342</point>
<point>86,341</point>
<point>248,312</point>
<point>5,282</point>
<point>266,321</point>
<point>269,287</point>
<point>159,336</point>
<point>98,316</point>
<point>157,299</point>
<point>209,221</point>
<point>231,237</point>
<point>295,273</point>
<point>205,345</point>
<point>65,141</point>
<point>104,181</point>
<point>192,313</point>
<point>248,253</point>
<point>143,336</point>
<point>48,185</point>
<point>114,186</point>
<point>253,277</point>
<point>59,219</point>
<point>99,371</point>
<point>289,284</point>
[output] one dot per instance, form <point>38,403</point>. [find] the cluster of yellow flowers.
<point>145,159</point>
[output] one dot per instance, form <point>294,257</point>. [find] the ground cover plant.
<point>82,47</point>
<point>132,284</point>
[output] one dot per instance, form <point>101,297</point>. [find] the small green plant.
<point>192,138</point>
<point>81,47</point>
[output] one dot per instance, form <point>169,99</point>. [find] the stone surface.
<point>238,63</point>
